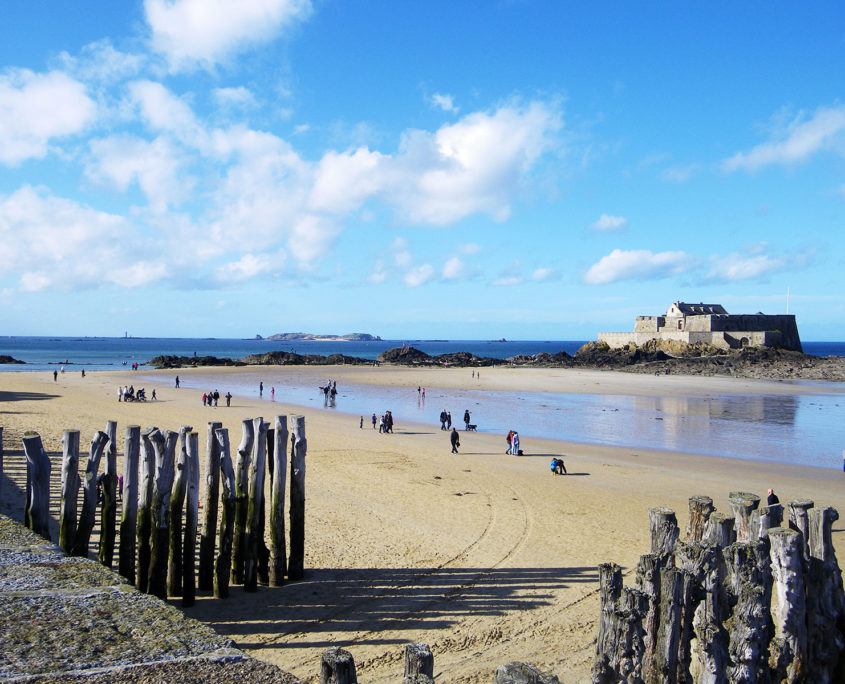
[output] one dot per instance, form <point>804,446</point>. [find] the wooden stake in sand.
<point>255,506</point>
<point>337,666</point>
<point>278,548</point>
<point>298,449</point>
<point>241,500</point>
<point>145,497</point>
<point>129,516</point>
<point>37,513</point>
<point>108,516</point>
<point>419,664</point>
<point>165,447</point>
<point>788,648</point>
<point>89,496</point>
<point>70,489</point>
<point>1,460</point>
<point>177,501</point>
<point>223,564</point>
<point>205,579</point>
<point>191,501</point>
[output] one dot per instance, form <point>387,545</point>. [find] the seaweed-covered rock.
<point>405,355</point>
<point>171,361</point>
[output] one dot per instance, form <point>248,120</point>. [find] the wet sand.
<point>486,557</point>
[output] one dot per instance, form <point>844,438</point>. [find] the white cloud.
<point>542,274</point>
<point>35,108</point>
<point>608,223</point>
<point>402,258</point>
<point>249,266</point>
<point>378,275</point>
<point>444,102</point>
<point>507,281</point>
<point>419,275</point>
<point>470,248</point>
<point>795,143</point>
<point>344,181</point>
<point>161,110</point>
<point>679,174</point>
<point>202,33</point>
<point>454,269</point>
<point>639,264</point>
<point>754,263</point>
<point>100,62</point>
<point>234,97</point>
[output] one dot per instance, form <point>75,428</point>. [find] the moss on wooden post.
<point>211,471</point>
<point>165,447</point>
<point>255,506</point>
<point>129,515</point>
<point>146,474</point>
<point>108,516</point>
<point>177,501</point>
<point>70,489</point>
<point>223,564</point>
<point>241,500</point>
<point>299,446</point>
<point>278,547</point>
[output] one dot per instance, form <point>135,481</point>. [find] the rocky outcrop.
<point>280,358</point>
<point>408,356</point>
<point>169,361</point>
<point>8,359</point>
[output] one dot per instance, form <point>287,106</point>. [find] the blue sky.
<point>475,170</point>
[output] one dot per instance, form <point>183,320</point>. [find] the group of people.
<point>557,466</point>
<point>513,443</point>
<point>211,398</point>
<point>385,422</point>
<point>330,389</point>
<point>125,393</point>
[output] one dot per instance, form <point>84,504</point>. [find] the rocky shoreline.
<point>658,358</point>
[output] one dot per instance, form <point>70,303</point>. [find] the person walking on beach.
<point>261,389</point>
<point>55,375</point>
<point>228,399</point>
<point>153,396</point>
<point>448,420</point>
<point>515,444</point>
<point>216,397</point>
<point>388,422</point>
<point>272,394</point>
<point>362,423</point>
<point>466,419</point>
<point>381,425</point>
<point>455,439</point>
<point>177,382</point>
<point>119,392</point>
<point>443,419</point>
<point>204,398</point>
<point>375,420</point>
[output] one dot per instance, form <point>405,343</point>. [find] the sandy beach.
<point>486,557</point>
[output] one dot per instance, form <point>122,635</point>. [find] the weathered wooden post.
<point>108,516</point>
<point>177,501</point>
<point>89,496</point>
<point>205,577</point>
<point>165,447</point>
<point>223,564</point>
<point>799,519</point>
<point>191,515</point>
<point>298,448</point>
<point>788,648</point>
<point>700,508</point>
<point>743,504</point>
<point>647,582</point>
<point>278,547</point>
<point>129,514</point>
<point>255,504</point>
<point>664,530</point>
<point>37,513</point>
<point>241,500</point>
<point>70,489</point>
<point>719,530</point>
<point>337,666</point>
<point>770,518</point>
<point>419,663</point>
<point>1,461</point>
<point>263,550</point>
<point>146,474</point>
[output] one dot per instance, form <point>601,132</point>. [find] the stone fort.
<point>710,324</point>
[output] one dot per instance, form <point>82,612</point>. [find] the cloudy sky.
<point>469,170</point>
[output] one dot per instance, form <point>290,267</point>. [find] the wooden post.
<point>299,446</point>
<point>129,515</point>
<point>418,661</point>
<point>1,461</point>
<point>788,648</point>
<point>700,508</point>
<point>89,500</point>
<point>799,519</point>
<point>241,500</point>
<point>669,624</point>
<point>337,667</point>
<point>165,447</point>
<point>177,501</point>
<point>108,517</point>
<point>223,564</point>
<point>191,514</point>
<point>647,582</point>
<point>770,518</point>
<point>37,514</point>
<point>263,551</point>
<point>144,527</point>
<point>205,578</point>
<point>719,530</point>
<point>664,530</point>
<point>255,506</point>
<point>742,505</point>
<point>70,489</point>
<point>278,547</point>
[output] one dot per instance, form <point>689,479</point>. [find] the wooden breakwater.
<point>742,599</point>
<point>157,536</point>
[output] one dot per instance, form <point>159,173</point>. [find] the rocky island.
<point>310,337</point>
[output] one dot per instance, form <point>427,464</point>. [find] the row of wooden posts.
<point>161,488</point>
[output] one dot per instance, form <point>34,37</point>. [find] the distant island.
<point>310,337</point>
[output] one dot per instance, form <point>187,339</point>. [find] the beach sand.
<point>486,557</point>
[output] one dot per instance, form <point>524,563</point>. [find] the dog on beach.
<point>471,427</point>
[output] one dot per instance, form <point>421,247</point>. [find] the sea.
<point>804,428</point>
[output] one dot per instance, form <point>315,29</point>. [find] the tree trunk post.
<point>263,550</point>
<point>799,519</point>
<point>89,496</point>
<point>181,477</point>
<point>278,547</point>
<point>299,446</point>
<point>255,506</point>
<point>418,661</point>
<point>205,578</point>
<point>647,582</point>
<point>108,517</point>
<point>770,518</point>
<point>700,508</point>
<point>165,447</point>
<point>146,474</point>
<point>743,504</point>
<point>337,667</point>
<point>191,502</point>
<point>129,514</point>
<point>664,530</point>
<point>241,500</point>
<point>37,515</point>
<point>719,530</point>
<point>669,624</point>
<point>1,461</point>
<point>788,648</point>
<point>70,489</point>
<point>223,564</point>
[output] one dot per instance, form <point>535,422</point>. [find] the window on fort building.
<point>681,324</point>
